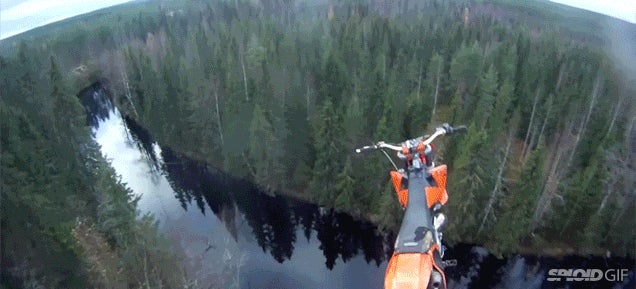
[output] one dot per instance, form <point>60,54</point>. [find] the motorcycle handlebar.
<point>449,129</point>
<point>366,148</point>
<point>444,129</point>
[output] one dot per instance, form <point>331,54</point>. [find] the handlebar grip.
<point>366,148</point>
<point>460,128</point>
<point>450,130</point>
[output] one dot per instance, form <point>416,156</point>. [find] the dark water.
<point>236,236</point>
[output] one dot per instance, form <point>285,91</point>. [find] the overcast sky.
<point>623,9</point>
<point>17,16</point>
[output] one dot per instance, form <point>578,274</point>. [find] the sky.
<point>623,9</point>
<point>17,16</point>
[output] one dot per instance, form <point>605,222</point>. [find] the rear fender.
<point>415,271</point>
<point>408,271</point>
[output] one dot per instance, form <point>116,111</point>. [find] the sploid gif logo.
<point>590,275</point>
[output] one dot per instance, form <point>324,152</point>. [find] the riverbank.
<point>536,248</point>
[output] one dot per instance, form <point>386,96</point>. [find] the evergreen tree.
<point>514,222</point>
<point>435,80</point>
<point>265,152</point>
<point>497,120</point>
<point>352,121</point>
<point>69,120</point>
<point>465,69</point>
<point>486,90</point>
<point>506,62</point>
<point>345,188</point>
<point>334,83</point>
<point>471,176</point>
<point>375,100</point>
<point>328,154</point>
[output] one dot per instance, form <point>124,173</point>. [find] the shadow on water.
<point>477,268</point>
<point>274,220</point>
<point>97,101</point>
<point>274,223</point>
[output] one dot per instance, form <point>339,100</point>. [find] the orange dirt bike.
<point>421,190</point>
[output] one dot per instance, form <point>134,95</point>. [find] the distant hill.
<point>579,24</point>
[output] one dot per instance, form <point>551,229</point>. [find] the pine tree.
<point>435,80</point>
<point>486,91</point>
<point>497,120</point>
<point>352,121</point>
<point>471,176</point>
<point>334,83</point>
<point>328,154</point>
<point>465,69</point>
<point>68,118</point>
<point>507,61</point>
<point>265,152</point>
<point>375,100</point>
<point>345,188</point>
<point>25,76</point>
<point>515,219</point>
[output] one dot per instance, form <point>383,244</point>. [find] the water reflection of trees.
<point>274,219</point>
<point>141,137</point>
<point>97,102</point>
<point>99,106</point>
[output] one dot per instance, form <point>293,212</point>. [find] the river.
<point>235,236</point>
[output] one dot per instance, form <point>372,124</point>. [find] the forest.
<point>280,92</point>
